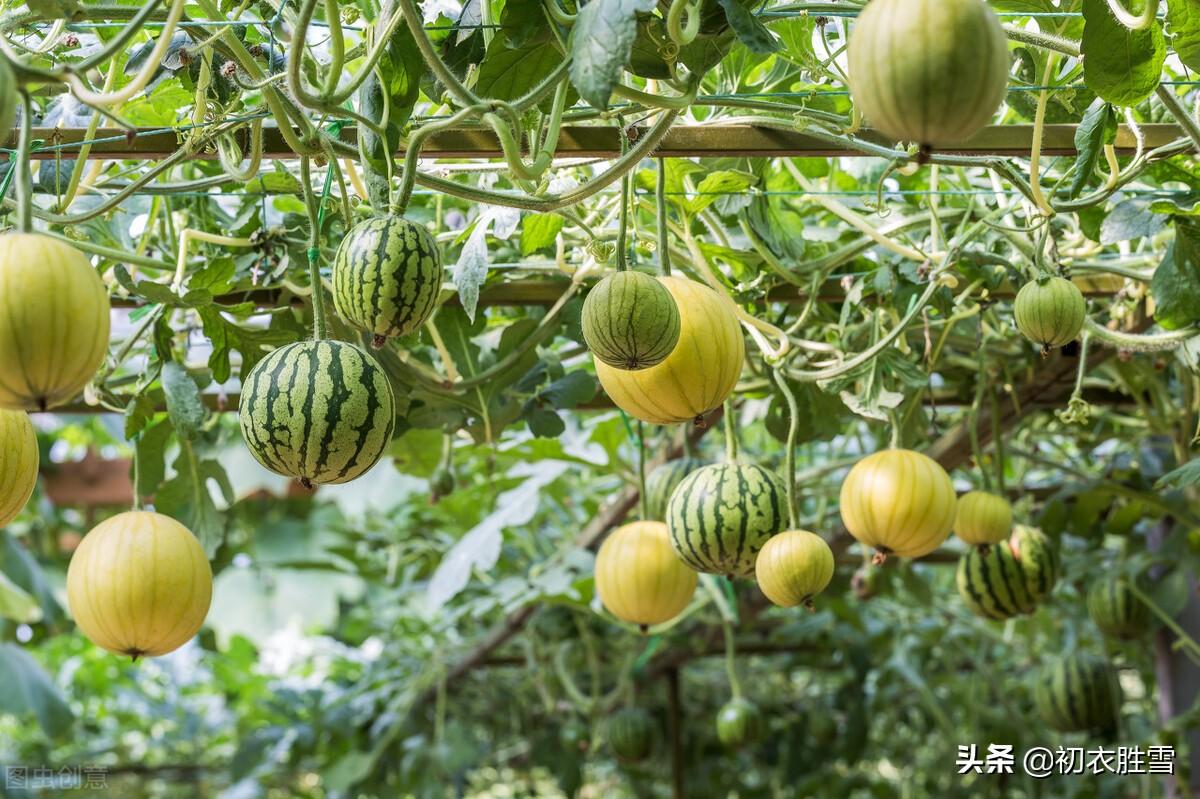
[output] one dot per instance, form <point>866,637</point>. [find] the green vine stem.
<point>315,221</point>
<point>683,33</point>
<point>643,500</point>
<point>623,224</point>
<point>731,444</point>
<point>1139,342</point>
<point>1184,641</point>
<point>790,455</point>
<point>1135,22</point>
<point>24,173</point>
<point>660,208</point>
<point>1078,411</point>
<point>998,443</point>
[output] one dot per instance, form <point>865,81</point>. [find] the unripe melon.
<point>793,567</point>
<point>53,321</point>
<point>387,276</point>
<point>1079,692</point>
<point>1117,611</point>
<point>982,518</point>
<point>18,463</point>
<point>318,411</point>
<point>631,733</point>
<point>139,584</point>
<point>662,481</point>
<point>630,321</point>
<point>638,576</point>
<point>898,502</point>
<point>739,723</point>
<point>930,72</point>
<point>1050,311</point>
<point>701,370</point>
<point>1038,557</point>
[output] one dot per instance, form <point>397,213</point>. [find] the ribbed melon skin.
<point>982,518</point>
<point>899,502</point>
<point>631,734</point>
<point>54,322</point>
<point>662,481</point>
<point>720,516</point>
<point>1079,693</point>
<point>928,71</point>
<point>1050,311</point>
<point>638,576</point>
<point>1038,558</point>
<point>992,583</point>
<point>318,411</point>
<point>139,584</point>
<point>793,567</point>
<point>699,373</point>
<point>18,463</point>
<point>1117,611</point>
<point>387,276</point>
<point>630,321</point>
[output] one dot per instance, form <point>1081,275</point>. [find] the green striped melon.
<point>928,71</point>
<point>387,276</point>
<point>630,321</point>
<point>1038,557</point>
<point>739,723</point>
<point>661,482</point>
<point>318,411</point>
<point>631,733</point>
<point>1116,610</point>
<point>18,463</point>
<point>53,322</point>
<point>1050,311</point>
<point>1079,693</point>
<point>992,583</point>
<point>720,516</point>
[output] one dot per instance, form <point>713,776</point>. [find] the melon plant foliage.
<point>294,295</point>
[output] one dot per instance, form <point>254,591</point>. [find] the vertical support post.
<point>675,730</point>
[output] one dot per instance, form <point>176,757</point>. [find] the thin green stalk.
<point>642,499</point>
<point>731,446</point>
<point>660,199</point>
<point>320,321</point>
<point>790,458</point>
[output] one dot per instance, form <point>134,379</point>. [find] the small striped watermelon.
<point>899,502</point>
<point>928,71</point>
<point>318,411</point>
<point>631,734</point>
<point>992,582</point>
<point>1116,610</point>
<point>699,373</point>
<point>630,321</point>
<point>661,482</point>
<point>1038,558</point>
<point>1050,311</point>
<point>53,322</point>
<point>739,723</point>
<point>18,463</point>
<point>1079,692</point>
<point>720,516</point>
<point>387,276</point>
<point>983,518</point>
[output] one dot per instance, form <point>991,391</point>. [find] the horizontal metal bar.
<point>582,141</point>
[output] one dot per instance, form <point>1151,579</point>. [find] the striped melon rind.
<point>720,516</point>
<point>1050,311</point>
<point>387,277</point>
<point>18,463</point>
<point>928,71</point>
<point>698,374</point>
<point>54,323</point>
<point>992,583</point>
<point>1116,610</point>
<point>630,321</point>
<point>318,411</point>
<point>1038,558</point>
<point>662,481</point>
<point>1079,693</point>
<point>982,518</point>
<point>631,733</point>
<point>898,502</point>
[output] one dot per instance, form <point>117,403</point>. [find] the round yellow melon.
<point>18,463</point>
<point>638,576</point>
<point>139,584</point>
<point>899,502</point>
<point>698,374</point>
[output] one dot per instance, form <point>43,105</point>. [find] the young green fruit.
<point>631,733</point>
<point>1050,311</point>
<point>630,321</point>
<point>1079,693</point>
<point>739,723</point>
<point>1117,611</point>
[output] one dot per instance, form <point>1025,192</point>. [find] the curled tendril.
<point>1078,411</point>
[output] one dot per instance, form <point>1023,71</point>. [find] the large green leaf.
<point>16,604</point>
<point>1122,66</point>
<point>26,691</point>
<point>1183,30</point>
<point>601,42</point>
<point>1098,128</point>
<point>1176,292</point>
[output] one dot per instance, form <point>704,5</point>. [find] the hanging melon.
<point>1050,311</point>
<point>793,567</point>
<point>630,321</point>
<point>982,518</point>
<point>19,460</point>
<point>638,576</point>
<point>898,502</point>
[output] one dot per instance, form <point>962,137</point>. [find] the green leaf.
<point>150,450</point>
<point>227,337</point>
<point>24,571</point>
<point>16,604</point>
<point>510,72</point>
<point>187,497</point>
<point>26,690</point>
<point>279,181</point>
<point>1176,292</point>
<point>716,184</point>
<point>183,400</point>
<point>600,45</point>
<point>54,9</point>
<point>1183,29</point>
<point>1129,220</point>
<point>1122,66</point>
<point>1186,475</point>
<point>1098,128</point>
<point>570,390</point>
<point>749,29</point>
<point>539,232</point>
